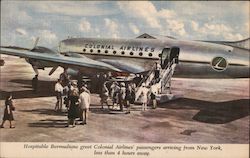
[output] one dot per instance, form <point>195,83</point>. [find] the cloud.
<point>21,31</point>
<point>112,27</point>
<point>72,8</point>
<point>134,28</point>
<point>162,20</point>
<point>216,31</point>
<point>48,36</point>
<point>177,27</point>
<point>84,25</point>
<point>194,25</point>
<point>165,13</point>
<point>144,10</point>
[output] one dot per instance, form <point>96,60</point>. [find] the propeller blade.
<point>53,70</point>
<point>36,42</point>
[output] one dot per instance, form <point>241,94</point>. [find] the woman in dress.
<point>8,114</point>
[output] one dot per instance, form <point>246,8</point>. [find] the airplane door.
<point>168,55</point>
<point>174,54</point>
<point>164,57</point>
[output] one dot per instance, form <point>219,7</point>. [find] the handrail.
<point>146,77</point>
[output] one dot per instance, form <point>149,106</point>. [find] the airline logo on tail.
<point>219,63</point>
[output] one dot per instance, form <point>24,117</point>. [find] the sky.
<point>52,21</point>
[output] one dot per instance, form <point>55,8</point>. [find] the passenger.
<point>73,107</point>
<point>157,72</point>
<point>84,102</point>
<point>67,91</point>
<point>8,114</point>
<point>64,77</point>
<point>74,86</point>
<point>34,83</point>
<point>104,95</point>
<point>153,93</point>
<point>128,97</point>
<point>133,86</point>
<point>122,95</point>
<point>59,93</point>
<point>114,93</point>
<point>144,97</point>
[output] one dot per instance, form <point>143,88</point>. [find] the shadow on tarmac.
<point>213,112</point>
<point>51,112</point>
<point>49,123</point>
<point>44,89</point>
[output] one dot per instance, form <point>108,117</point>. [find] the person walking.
<point>59,93</point>
<point>128,98</point>
<point>104,95</point>
<point>153,93</point>
<point>84,102</point>
<point>122,95</point>
<point>157,72</point>
<point>73,108</point>
<point>144,97</point>
<point>114,93</point>
<point>8,114</point>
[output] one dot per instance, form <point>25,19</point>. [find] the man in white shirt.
<point>144,96</point>
<point>59,92</point>
<point>84,102</point>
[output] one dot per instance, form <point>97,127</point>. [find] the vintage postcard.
<point>147,79</point>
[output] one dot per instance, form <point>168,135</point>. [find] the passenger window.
<point>106,51</point>
<point>122,52</point>
<point>131,53</point>
<point>140,54</point>
<point>99,51</point>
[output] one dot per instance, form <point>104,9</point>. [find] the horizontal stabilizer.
<point>244,44</point>
<point>241,44</point>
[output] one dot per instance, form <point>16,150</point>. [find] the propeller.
<point>36,42</point>
<point>53,70</point>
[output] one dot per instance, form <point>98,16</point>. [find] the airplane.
<point>89,56</point>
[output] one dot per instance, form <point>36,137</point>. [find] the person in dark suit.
<point>8,114</point>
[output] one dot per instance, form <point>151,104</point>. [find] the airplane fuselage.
<point>196,58</point>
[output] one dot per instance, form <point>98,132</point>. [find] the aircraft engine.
<point>36,64</point>
<point>72,72</point>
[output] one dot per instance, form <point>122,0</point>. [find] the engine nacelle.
<point>72,72</point>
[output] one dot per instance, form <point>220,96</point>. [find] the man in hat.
<point>84,102</point>
<point>122,96</point>
<point>59,92</point>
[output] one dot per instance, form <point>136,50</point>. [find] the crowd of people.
<point>76,97</point>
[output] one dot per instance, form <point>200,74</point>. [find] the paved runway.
<point>212,111</point>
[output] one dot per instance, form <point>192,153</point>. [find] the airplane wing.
<point>59,59</point>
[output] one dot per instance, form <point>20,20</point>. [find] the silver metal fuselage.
<point>196,58</point>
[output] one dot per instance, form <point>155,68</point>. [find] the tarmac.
<point>211,111</point>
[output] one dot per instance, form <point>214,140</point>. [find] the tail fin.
<point>240,44</point>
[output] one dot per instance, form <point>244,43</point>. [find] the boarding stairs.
<point>163,84</point>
